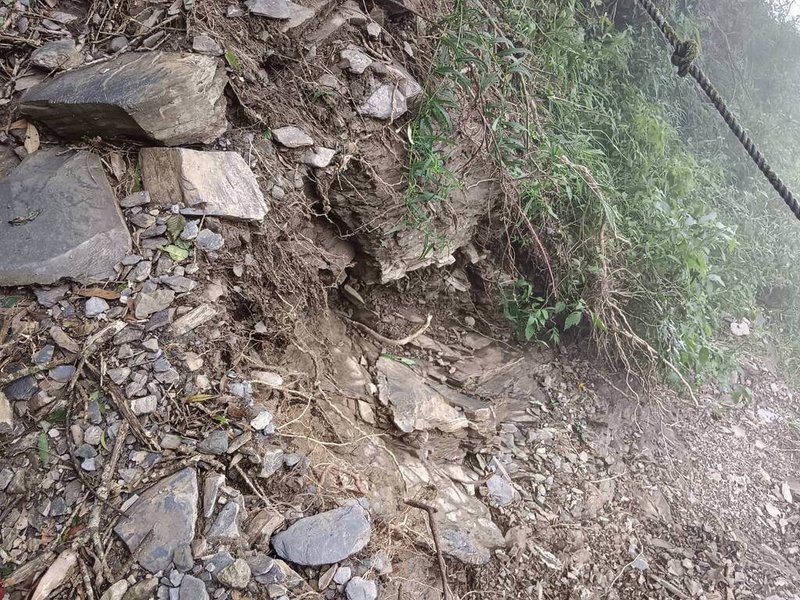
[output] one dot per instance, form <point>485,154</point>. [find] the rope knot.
<point>683,56</point>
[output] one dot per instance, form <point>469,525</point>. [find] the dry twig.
<point>431,510</point>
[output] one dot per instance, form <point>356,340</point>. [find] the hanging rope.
<point>684,53</point>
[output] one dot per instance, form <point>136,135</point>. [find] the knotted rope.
<point>684,53</point>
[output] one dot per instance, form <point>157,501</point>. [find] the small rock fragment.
<point>292,137</point>
<point>193,588</point>
<point>59,54</point>
<point>236,575</point>
<point>342,575</point>
<point>205,44</point>
<point>359,588</point>
<point>161,520</point>
<point>116,591</point>
<point>215,443</point>
<point>95,307</point>
<point>272,9</point>
<point>153,302</point>
<point>318,157</point>
<point>386,103</point>
<point>357,62</point>
<point>193,319</point>
<point>209,241</point>
<point>144,405</point>
<point>225,526</point>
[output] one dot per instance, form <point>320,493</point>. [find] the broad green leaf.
<point>175,252</point>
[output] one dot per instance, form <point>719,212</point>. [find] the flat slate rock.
<point>325,538</point>
<point>59,218</point>
<point>164,97</point>
<point>169,510</point>
<point>207,183</point>
<point>416,405</point>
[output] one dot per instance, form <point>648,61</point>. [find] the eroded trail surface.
<point>228,360</point>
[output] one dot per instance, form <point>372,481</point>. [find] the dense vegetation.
<point>635,214</point>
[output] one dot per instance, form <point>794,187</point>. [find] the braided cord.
<point>684,54</point>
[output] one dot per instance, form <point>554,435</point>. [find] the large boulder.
<point>163,97</point>
<point>59,218</point>
<point>206,183</point>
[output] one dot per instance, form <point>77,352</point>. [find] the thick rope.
<point>683,56</point>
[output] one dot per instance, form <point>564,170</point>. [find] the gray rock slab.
<point>414,403</point>
<point>59,219</point>
<point>387,102</point>
<point>318,157</point>
<point>500,490</point>
<point>169,511</point>
<point>292,136</point>
<point>325,538</point>
<point>207,183</point>
<point>169,98</point>
<point>236,575</point>
<point>205,44</point>
<point>225,526</point>
<point>272,9</point>
<point>193,588</point>
<point>58,54</point>
<point>359,588</point>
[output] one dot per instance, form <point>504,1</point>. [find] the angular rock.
<point>387,102</point>
<point>272,9</point>
<point>205,44</point>
<point>169,98</point>
<point>415,405</point>
<point>144,405</point>
<point>206,183</point>
<point>357,62</point>
<point>325,538</point>
<point>49,297</point>
<point>95,307</point>
<point>169,511</point>
<point>6,414</point>
<point>292,137</point>
<point>193,588</point>
<point>153,302</point>
<point>318,157</point>
<point>211,487</point>
<point>500,490</point>
<point>45,234</point>
<point>215,442</point>
<point>359,588</point>
<point>225,526</point>
<point>23,388</point>
<point>236,575</point>
<point>59,54</point>
<point>209,241</point>
<point>142,590</point>
<point>116,591</point>
<point>193,319</point>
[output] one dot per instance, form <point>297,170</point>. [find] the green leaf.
<point>572,320</point>
<point>230,58</point>
<point>9,301</point>
<point>175,225</point>
<point>175,252</point>
<point>44,448</point>
<point>59,415</point>
<point>103,440</point>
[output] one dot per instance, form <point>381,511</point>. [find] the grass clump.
<point>621,216</point>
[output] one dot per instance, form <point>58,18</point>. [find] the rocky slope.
<point>204,393</point>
